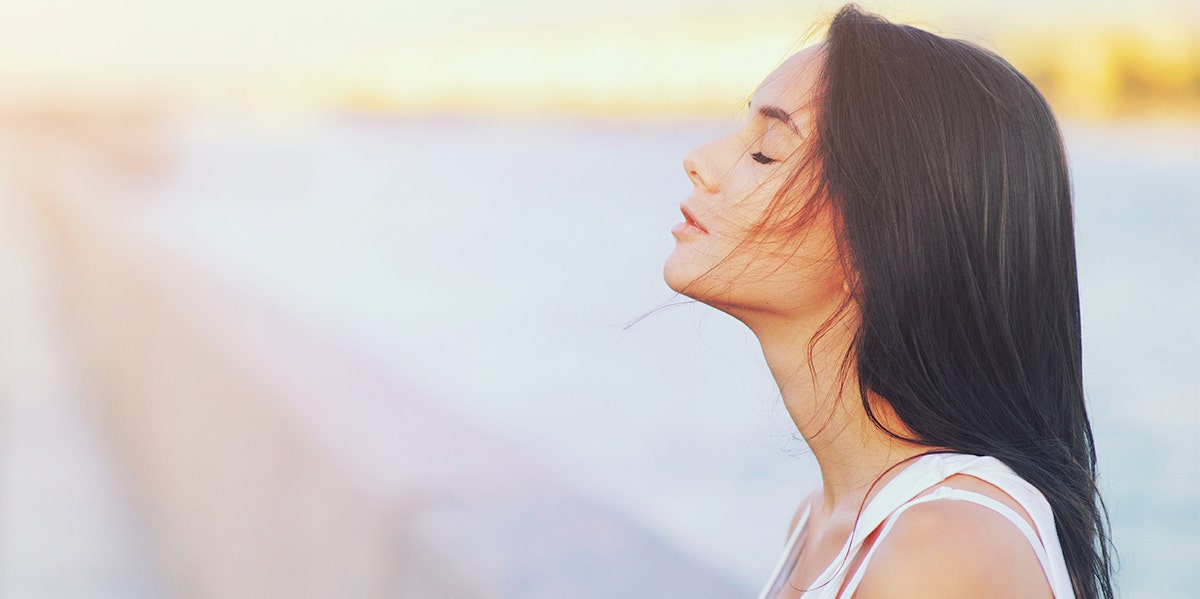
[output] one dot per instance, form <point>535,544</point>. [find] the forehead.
<point>791,85</point>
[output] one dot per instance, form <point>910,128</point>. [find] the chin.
<point>676,273</point>
<point>696,278</point>
<point>686,281</point>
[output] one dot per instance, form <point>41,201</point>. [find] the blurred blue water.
<point>498,262</point>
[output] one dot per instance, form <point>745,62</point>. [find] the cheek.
<point>811,276</point>
<point>723,258</point>
<point>740,218</point>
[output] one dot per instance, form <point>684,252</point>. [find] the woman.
<point>893,222</point>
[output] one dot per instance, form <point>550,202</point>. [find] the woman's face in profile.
<point>734,180</point>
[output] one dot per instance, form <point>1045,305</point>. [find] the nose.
<point>691,164</point>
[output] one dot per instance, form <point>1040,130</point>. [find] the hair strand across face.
<point>945,171</point>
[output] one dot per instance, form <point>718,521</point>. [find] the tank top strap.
<point>1042,536</point>
<point>790,554</point>
<point>943,493</point>
<point>923,473</point>
<point>993,471</point>
<point>904,490</point>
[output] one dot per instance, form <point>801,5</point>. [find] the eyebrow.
<point>779,114</point>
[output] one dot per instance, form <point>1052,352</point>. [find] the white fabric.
<point>901,492</point>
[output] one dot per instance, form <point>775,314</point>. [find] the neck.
<point>852,452</point>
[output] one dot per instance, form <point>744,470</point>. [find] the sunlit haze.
<point>367,298</point>
<point>658,57</point>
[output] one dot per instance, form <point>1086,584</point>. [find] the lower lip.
<point>686,228</point>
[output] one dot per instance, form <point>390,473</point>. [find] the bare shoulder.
<point>949,549</point>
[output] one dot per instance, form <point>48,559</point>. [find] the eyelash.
<point>761,159</point>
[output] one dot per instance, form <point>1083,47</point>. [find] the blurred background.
<point>315,299</point>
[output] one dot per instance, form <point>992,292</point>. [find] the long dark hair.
<point>946,171</point>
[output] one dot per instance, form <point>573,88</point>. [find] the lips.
<point>691,220</point>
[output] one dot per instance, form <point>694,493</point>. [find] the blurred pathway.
<point>69,526</point>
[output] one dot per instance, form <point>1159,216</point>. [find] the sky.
<point>408,55</point>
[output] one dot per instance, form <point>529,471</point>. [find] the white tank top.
<point>901,492</point>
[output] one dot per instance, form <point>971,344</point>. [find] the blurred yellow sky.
<point>657,58</point>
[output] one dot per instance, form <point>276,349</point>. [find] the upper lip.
<point>687,214</point>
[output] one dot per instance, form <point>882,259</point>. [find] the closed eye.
<point>761,159</point>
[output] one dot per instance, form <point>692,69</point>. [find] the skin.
<point>783,289</point>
